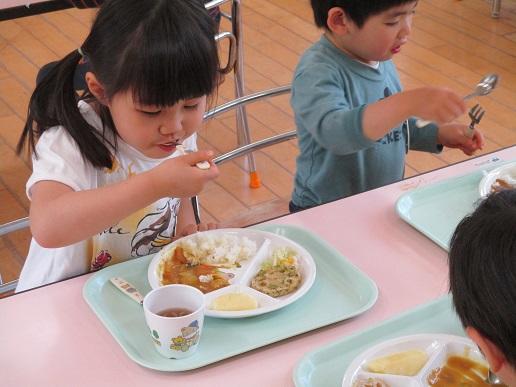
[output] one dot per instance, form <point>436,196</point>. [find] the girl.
<point>105,169</point>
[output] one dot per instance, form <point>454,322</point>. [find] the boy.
<point>483,280</point>
<point>348,106</point>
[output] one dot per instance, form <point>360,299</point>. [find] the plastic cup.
<point>175,337</point>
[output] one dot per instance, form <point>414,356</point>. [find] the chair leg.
<point>495,8</point>
<point>243,134</point>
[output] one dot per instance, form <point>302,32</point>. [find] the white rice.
<point>225,250</point>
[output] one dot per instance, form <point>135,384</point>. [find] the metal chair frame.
<point>242,124</point>
<point>496,7</point>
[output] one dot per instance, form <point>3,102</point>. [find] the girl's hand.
<point>193,228</point>
<point>456,136</point>
<point>180,177</point>
<point>436,104</point>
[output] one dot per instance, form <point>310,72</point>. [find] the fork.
<point>475,113</point>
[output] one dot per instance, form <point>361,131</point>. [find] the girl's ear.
<point>337,21</point>
<point>494,356</point>
<point>96,88</point>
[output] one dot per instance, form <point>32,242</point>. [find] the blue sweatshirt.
<point>329,94</point>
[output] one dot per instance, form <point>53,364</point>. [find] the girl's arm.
<point>60,216</point>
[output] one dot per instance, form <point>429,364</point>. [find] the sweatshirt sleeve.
<point>424,138</point>
<point>322,107</point>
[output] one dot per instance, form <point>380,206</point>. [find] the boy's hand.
<point>456,136</point>
<point>193,228</point>
<point>437,104</point>
<point>180,177</point>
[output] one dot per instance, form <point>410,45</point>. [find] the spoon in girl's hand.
<point>200,165</point>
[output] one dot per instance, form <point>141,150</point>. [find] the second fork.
<point>475,114</point>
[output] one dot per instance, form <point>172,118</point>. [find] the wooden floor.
<point>454,43</point>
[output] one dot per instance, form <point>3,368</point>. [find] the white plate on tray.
<point>266,242</point>
<point>506,172</point>
<point>437,347</point>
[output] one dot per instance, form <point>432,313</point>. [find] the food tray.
<point>223,338</point>
<point>436,209</point>
<point>326,366</point>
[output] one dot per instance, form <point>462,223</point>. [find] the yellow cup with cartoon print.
<point>175,316</point>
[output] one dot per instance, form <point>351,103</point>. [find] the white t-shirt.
<point>143,232</point>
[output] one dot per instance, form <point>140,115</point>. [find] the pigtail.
<point>54,102</point>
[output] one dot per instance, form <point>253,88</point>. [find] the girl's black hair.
<point>357,10</point>
<point>163,51</point>
<point>482,263</point>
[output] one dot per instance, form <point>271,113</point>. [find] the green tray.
<point>326,366</point>
<point>223,338</point>
<point>437,209</point>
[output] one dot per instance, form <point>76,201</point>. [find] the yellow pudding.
<point>234,302</point>
<point>407,363</point>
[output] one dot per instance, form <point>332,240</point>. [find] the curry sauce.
<point>459,371</point>
<point>204,277</point>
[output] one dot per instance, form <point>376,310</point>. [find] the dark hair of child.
<point>163,51</point>
<point>357,10</point>
<point>482,263</point>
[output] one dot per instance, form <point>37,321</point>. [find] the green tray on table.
<point>223,338</point>
<point>325,367</point>
<point>436,209</point>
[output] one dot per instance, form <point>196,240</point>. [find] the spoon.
<point>484,87</point>
<point>493,379</point>
<point>128,289</point>
<point>200,164</point>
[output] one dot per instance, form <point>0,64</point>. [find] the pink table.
<point>50,337</point>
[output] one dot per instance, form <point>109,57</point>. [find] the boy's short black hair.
<point>357,10</point>
<point>482,263</point>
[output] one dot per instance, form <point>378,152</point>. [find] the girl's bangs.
<point>166,65</point>
<point>166,78</point>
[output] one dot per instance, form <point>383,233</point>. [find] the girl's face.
<point>155,131</point>
<point>381,36</point>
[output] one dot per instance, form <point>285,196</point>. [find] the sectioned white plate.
<point>506,172</point>
<point>266,242</point>
<point>437,346</point>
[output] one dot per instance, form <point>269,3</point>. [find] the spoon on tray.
<point>486,85</point>
<point>128,289</point>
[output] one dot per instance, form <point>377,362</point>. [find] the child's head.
<point>370,30</point>
<point>152,64</point>
<point>357,11</point>
<point>483,279</point>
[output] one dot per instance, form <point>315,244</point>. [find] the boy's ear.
<point>337,21</point>
<point>96,88</point>
<point>494,356</point>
